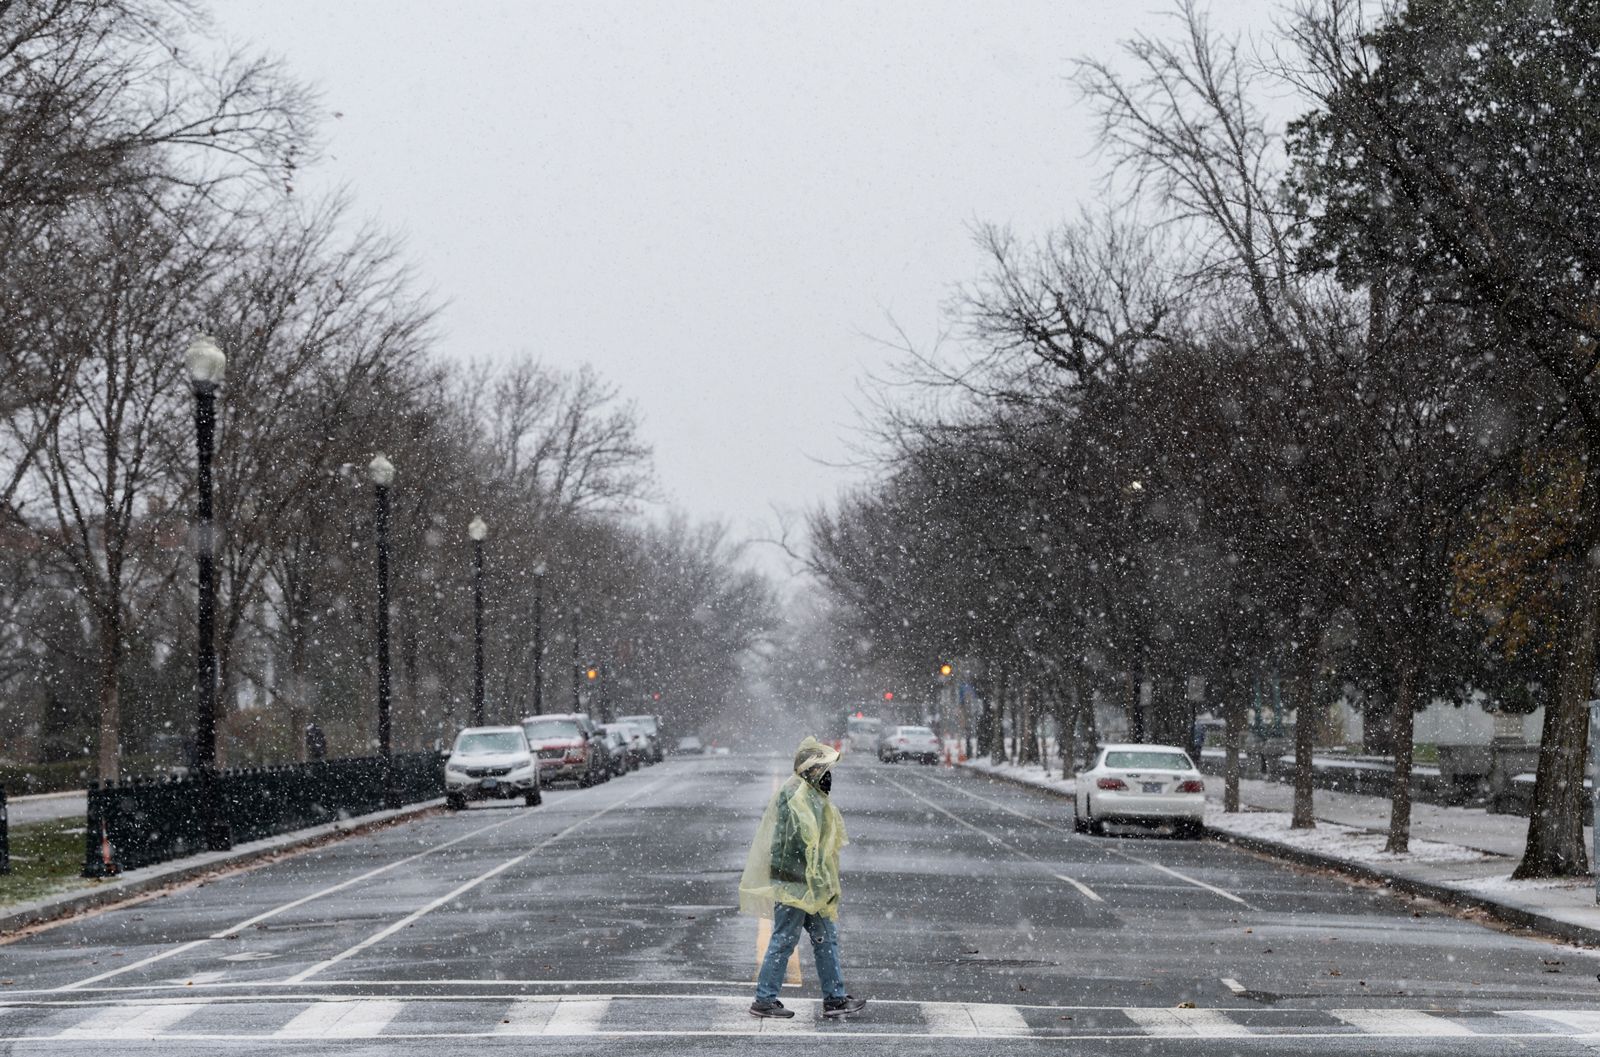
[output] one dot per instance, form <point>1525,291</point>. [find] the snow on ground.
<point>1331,839</point>
<point>1501,884</point>
<point>1032,774</point>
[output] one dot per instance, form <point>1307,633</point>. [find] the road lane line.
<point>1233,985</point>
<point>1186,1023</point>
<point>577,1016</point>
<point>462,889</point>
<point>1194,881</point>
<point>1080,886</point>
<point>363,1019</point>
<point>275,911</point>
<point>1100,844</point>
<point>131,1022</point>
<point>1405,1022</point>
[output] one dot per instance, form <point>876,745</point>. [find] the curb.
<point>148,879</point>
<point>1453,897</point>
<point>1441,893</point>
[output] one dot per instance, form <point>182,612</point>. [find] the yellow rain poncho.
<point>795,856</point>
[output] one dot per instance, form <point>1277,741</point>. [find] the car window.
<point>489,741</point>
<point>919,731</point>
<point>551,728</point>
<point>1136,759</point>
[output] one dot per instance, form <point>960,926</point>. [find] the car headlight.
<point>522,768</point>
<point>455,768</point>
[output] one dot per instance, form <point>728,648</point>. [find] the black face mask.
<point>825,783</point>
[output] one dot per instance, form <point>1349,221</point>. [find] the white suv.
<point>491,763</point>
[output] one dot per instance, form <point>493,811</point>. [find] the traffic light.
<point>888,695</point>
<point>945,669</point>
<point>593,674</point>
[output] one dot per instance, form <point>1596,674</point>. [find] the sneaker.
<point>839,1007</point>
<point>770,1009</point>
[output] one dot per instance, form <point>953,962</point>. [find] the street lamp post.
<point>478,531</point>
<point>538,638</point>
<point>206,364</point>
<point>381,470</point>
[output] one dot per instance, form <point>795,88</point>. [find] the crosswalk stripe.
<point>948,1018</point>
<point>998,1019</point>
<point>1186,1023</point>
<point>131,1022</point>
<point>807,1011</point>
<point>526,1017</point>
<point>577,1016</point>
<point>1582,1021</point>
<point>1399,1022</point>
<point>341,1020</point>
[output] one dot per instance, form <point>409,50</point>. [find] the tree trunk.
<point>1067,743</point>
<point>108,762</point>
<point>1555,832</point>
<point>1402,725</point>
<point>1136,706</point>
<point>1234,717</point>
<point>997,718</point>
<point>1305,728</point>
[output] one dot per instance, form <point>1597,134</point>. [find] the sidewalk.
<point>89,895</point>
<point>42,807</point>
<point>1460,856</point>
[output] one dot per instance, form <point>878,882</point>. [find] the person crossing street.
<point>792,878</point>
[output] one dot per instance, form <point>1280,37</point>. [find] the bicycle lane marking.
<point>275,911</point>
<point>462,889</point>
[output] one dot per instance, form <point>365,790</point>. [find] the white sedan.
<point>1151,784</point>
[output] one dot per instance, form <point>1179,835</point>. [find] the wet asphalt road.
<point>604,921</point>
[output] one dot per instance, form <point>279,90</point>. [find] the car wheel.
<point>1078,823</point>
<point>455,802</point>
<point>533,799</point>
<point>1190,829</point>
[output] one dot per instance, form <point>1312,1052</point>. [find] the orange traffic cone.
<point>105,850</point>
<point>947,762</point>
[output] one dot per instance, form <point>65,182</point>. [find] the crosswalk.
<point>334,1016</point>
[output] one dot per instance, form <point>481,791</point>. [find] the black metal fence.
<point>5,836</point>
<point>145,821</point>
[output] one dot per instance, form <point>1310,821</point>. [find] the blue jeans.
<point>787,921</point>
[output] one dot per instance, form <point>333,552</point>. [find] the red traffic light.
<point>888,695</point>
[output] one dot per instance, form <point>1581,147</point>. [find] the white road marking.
<point>1194,881</point>
<point>1582,1021</point>
<point>1049,825</point>
<point>364,1019</point>
<point>993,1020</point>
<point>331,1017</point>
<point>131,1022</point>
<point>948,1018</point>
<point>1186,1023</point>
<point>577,1016</point>
<point>1080,886</point>
<point>526,1017</point>
<point>1233,985</point>
<point>462,889</point>
<point>275,911</point>
<point>1399,1022</point>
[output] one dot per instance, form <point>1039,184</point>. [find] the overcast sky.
<point>717,204</point>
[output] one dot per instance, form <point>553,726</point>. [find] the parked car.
<point>1148,784</point>
<point>566,744</point>
<point>639,748</point>
<point>623,758</point>
<point>651,727</point>
<point>689,745</point>
<point>909,743</point>
<point>491,763</point>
